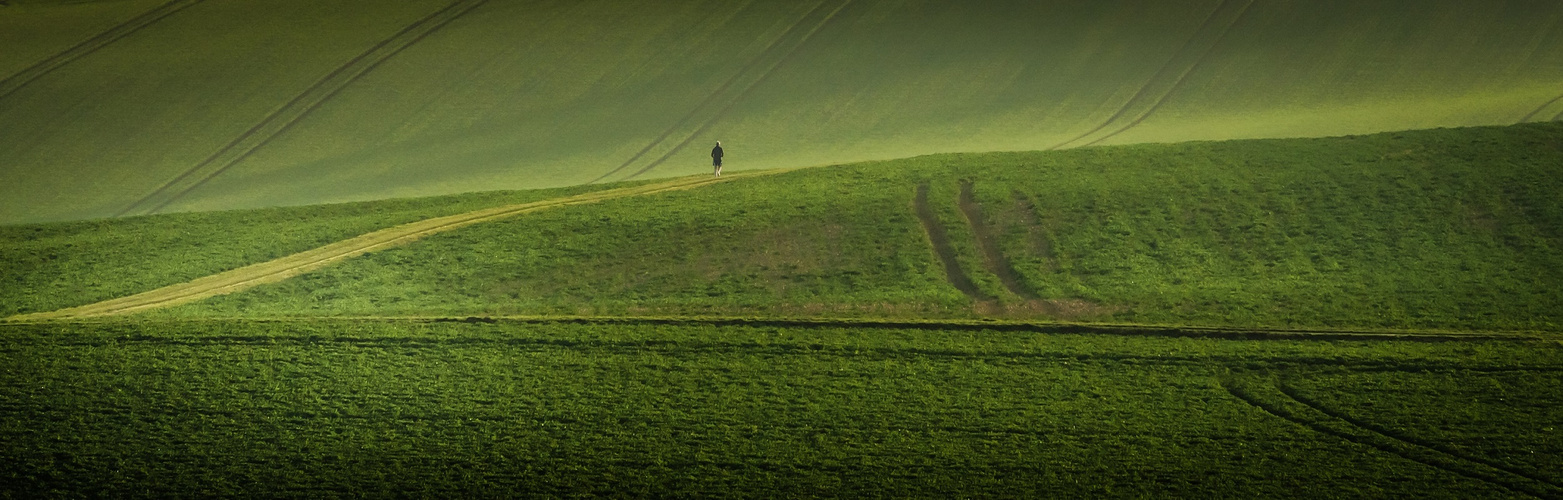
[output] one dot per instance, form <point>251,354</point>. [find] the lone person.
<point>716,158</point>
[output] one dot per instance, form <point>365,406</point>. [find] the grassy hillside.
<point>325,408</point>
<point>51,266</point>
<point>1433,229</point>
<point>239,103</point>
<point>1438,229</point>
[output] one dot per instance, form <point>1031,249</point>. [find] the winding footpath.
<point>293,265</point>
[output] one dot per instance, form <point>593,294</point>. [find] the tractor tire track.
<point>712,97</point>
<point>1278,403</point>
<point>292,265</point>
<point>284,118</point>
<point>940,240</point>
<point>1296,396</point>
<point>22,78</point>
<point>1204,56</point>
<point>743,93</point>
<point>1165,73</point>
<point>988,244</point>
<point>1035,230</point>
<point>988,325</point>
<point>1543,110</point>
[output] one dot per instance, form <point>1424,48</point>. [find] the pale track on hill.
<point>293,265</point>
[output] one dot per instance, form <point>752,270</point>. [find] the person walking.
<point>716,158</point>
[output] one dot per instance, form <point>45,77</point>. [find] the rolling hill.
<point>1365,315</point>
<point>1450,229</point>
<point>129,107</point>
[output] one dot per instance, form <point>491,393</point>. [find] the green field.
<point>1362,316</point>
<point>1443,229</point>
<point>134,106</point>
<point>996,248</point>
<point>324,408</point>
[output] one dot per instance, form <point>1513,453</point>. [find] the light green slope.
<point>1343,67</point>
<point>1440,229</point>
<point>526,94</point>
<point>95,135</point>
<point>515,94</point>
<point>31,32</point>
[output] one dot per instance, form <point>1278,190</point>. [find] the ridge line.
<point>1181,78</point>
<point>743,93</point>
<point>287,266</point>
<point>712,96</point>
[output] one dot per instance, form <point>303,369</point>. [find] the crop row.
<point>322,407</point>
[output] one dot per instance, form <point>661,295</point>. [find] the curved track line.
<point>1163,74</point>
<point>758,58</point>
<point>22,78</point>
<point>1392,434</point>
<point>1122,110</point>
<point>1325,423</point>
<point>1540,109</point>
<point>292,265</point>
<point>940,241</point>
<point>988,244</point>
<point>1179,82</point>
<point>284,118</point>
<point>743,93</point>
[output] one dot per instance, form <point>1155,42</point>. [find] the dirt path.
<point>302,262</point>
<point>941,247</point>
<point>285,117</point>
<point>15,82</point>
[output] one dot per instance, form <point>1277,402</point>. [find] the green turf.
<point>513,95</point>
<point>354,407</point>
<point>1440,229</point>
<point>51,266</point>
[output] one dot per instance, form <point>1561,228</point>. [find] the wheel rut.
<point>22,78</point>
<point>1040,243</point>
<point>940,241</point>
<point>285,117</point>
<point>1272,398</point>
<point>992,255</point>
<point>777,54</point>
<point>1297,396</point>
<point>1552,109</point>
<point>1171,76</point>
<point>293,265</point>
<point>714,96</point>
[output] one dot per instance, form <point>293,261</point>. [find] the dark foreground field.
<point>633,408</point>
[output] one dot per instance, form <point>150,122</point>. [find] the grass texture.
<point>332,407</point>
<point>1441,229</point>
